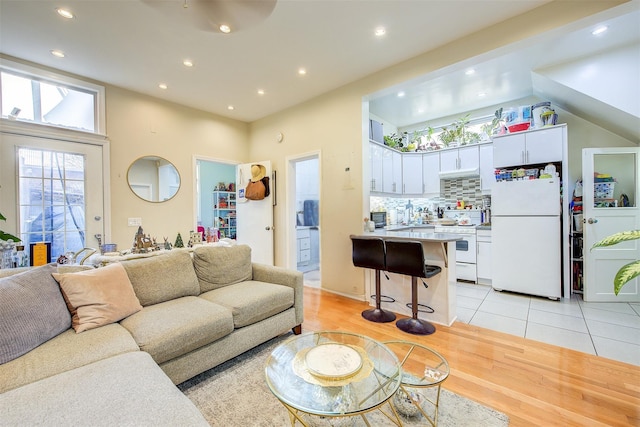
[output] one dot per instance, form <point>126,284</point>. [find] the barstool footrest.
<point>384,298</point>
<point>425,308</point>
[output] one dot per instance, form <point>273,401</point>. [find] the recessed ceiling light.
<point>225,28</point>
<point>302,71</point>
<point>187,63</point>
<point>65,13</point>
<point>482,94</point>
<point>260,92</point>
<point>401,94</point>
<point>163,86</point>
<point>599,30</point>
<point>58,53</point>
<point>380,31</point>
<point>470,71</point>
<point>230,107</point>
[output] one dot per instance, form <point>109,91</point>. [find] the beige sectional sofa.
<point>195,311</point>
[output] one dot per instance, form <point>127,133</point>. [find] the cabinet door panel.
<point>430,173</point>
<point>448,161</point>
<point>387,171</point>
<point>487,176</point>
<point>375,152</point>
<point>544,146</point>
<point>397,172</point>
<point>509,151</point>
<point>469,158</point>
<point>412,173</point>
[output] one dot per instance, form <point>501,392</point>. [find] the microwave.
<point>379,219</point>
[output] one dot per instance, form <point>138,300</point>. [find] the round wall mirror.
<point>153,179</point>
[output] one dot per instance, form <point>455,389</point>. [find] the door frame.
<point>290,206</point>
<point>194,171</point>
<point>68,136</point>
<point>592,231</point>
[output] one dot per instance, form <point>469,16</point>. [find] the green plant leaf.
<point>7,236</point>
<point>617,238</point>
<point>625,274</point>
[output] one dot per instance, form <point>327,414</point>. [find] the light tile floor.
<point>610,330</point>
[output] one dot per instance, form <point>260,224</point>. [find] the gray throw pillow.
<point>219,266</point>
<point>32,311</point>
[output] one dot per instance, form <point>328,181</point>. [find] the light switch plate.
<point>135,222</point>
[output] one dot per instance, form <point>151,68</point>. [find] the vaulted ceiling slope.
<point>594,77</point>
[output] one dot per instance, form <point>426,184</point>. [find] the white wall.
<point>138,126</point>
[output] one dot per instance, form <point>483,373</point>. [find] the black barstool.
<point>370,253</point>
<point>407,257</point>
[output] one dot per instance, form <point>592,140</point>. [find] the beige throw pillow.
<point>98,297</point>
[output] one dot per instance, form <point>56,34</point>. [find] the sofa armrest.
<point>285,277</point>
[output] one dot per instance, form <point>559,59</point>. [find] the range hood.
<point>460,173</point>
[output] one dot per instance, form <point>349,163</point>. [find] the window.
<point>51,187</point>
<point>31,95</point>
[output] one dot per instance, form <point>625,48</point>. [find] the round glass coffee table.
<point>333,374</point>
<point>422,368</point>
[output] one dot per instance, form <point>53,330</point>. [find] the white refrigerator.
<point>526,240</point>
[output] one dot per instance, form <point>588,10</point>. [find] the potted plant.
<point>629,271</point>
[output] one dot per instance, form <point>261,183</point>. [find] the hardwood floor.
<point>532,382</point>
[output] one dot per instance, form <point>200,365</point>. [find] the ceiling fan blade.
<point>208,15</point>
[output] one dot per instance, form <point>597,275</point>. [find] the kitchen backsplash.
<point>467,189</point>
<point>451,190</point>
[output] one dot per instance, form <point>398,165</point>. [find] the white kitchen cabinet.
<point>304,245</point>
<point>391,171</point>
<point>412,174</point>
<point>487,176</point>
<point>430,173</point>
<point>462,158</point>
<point>483,256</point>
<point>375,155</point>
<point>527,148</point>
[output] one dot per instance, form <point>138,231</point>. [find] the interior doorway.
<point>210,174</point>
<point>304,216</point>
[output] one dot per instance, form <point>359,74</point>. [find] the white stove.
<point>465,248</point>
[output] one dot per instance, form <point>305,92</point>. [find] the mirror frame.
<point>157,159</point>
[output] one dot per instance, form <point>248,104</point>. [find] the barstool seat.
<point>407,257</point>
<point>370,253</point>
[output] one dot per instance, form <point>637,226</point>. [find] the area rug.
<point>235,394</point>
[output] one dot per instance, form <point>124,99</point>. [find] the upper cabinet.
<point>375,156</point>
<point>412,181</point>
<point>431,173</point>
<point>487,176</point>
<point>460,161</point>
<point>391,172</point>
<point>525,148</point>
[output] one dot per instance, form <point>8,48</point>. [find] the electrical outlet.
<point>135,222</point>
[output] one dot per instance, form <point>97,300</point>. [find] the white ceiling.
<point>137,44</point>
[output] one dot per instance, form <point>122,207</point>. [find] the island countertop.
<point>427,236</point>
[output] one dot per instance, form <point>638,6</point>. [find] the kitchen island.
<point>439,249</point>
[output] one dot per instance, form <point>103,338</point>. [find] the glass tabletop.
<point>421,366</point>
<point>332,373</point>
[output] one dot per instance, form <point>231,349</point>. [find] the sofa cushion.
<point>163,277</point>
<point>176,327</point>
<point>218,266</point>
<point>98,297</point>
<point>252,301</point>
<point>66,351</point>
<point>124,390</point>
<point>33,311</point>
